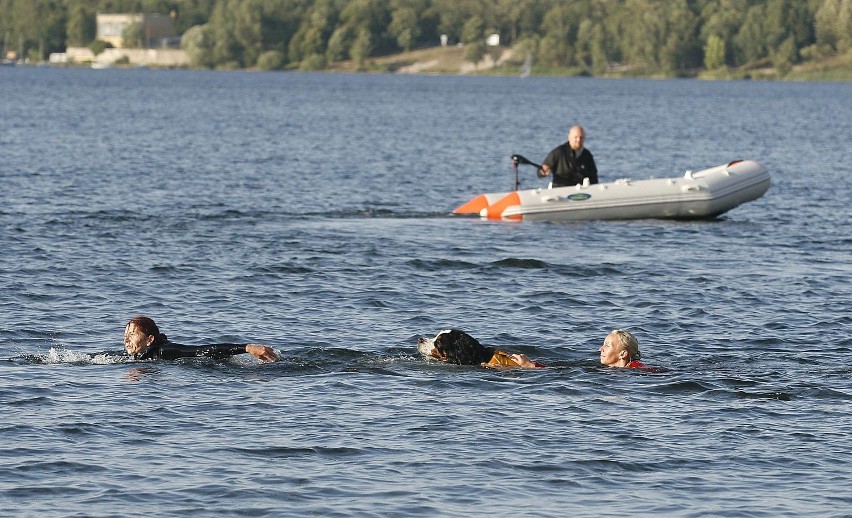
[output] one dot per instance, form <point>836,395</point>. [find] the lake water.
<point>311,212</point>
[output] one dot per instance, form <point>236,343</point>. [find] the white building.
<point>154,29</point>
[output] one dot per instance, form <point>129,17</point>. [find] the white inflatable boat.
<point>701,194</point>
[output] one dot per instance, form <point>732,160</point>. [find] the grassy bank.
<point>506,61</point>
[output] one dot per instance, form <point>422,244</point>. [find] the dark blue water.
<point>310,212</point>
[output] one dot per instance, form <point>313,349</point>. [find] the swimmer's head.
<point>140,333</point>
<point>619,348</point>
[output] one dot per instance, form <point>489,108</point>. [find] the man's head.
<point>576,137</point>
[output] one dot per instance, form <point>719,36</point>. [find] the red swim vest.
<point>641,366</point>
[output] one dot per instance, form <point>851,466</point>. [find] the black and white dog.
<point>456,346</point>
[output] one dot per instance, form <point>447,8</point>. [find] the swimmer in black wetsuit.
<point>143,340</point>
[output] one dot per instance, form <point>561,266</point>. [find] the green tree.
<point>225,51</point>
<point>473,30</point>
<point>723,18</point>
<point>714,53</point>
<point>280,21</point>
<point>785,19</point>
<point>271,60</point>
<point>591,51</point>
<point>35,28</point>
<point>559,31</point>
<point>404,27</point>
<point>189,13</point>
<point>80,29</point>
<point>641,29</point>
<point>198,44</point>
<point>583,44</point>
<point>248,30</point>
<point>599,51</point>
<point>833,22</point>
<point>473,37</point>
<point>339,44</point>
<point>751,39</point>
<point>361,48</point>
<point>680,49</point>
<point>373,18</point>
<point>785,56</point>
<point>844,26</point>
<point>800,22</point>
<point>317,24</point>
<point>453,14</point>
<point>517,19</point>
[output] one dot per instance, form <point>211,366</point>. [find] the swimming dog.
<point>456,346</point>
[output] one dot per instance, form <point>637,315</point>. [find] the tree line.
<point>651,36</point>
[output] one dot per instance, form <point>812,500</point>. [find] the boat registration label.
<point>578,196</point>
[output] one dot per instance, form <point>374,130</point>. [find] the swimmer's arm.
<point>525,362</point>
<point>218,351</point>
<point>259,351</point>
<point>514,360</point>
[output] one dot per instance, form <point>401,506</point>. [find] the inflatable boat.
<point>696,195</point>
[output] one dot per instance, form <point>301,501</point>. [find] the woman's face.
<point>135,341</point>
<point>611,353</point>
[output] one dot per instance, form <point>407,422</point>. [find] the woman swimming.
<point>143,340</point>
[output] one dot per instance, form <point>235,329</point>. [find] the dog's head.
<point>454,346</point>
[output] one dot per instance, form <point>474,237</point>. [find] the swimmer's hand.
<point>261,352</point>
<point>519,360</point>
<point>523,361</point>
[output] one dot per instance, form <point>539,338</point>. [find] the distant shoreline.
<point>505,61</point>
<point>508,62</point>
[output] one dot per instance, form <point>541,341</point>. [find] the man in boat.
<point>570,163</point>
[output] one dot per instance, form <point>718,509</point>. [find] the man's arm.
<point>592,168</point>
<point>548,163</point>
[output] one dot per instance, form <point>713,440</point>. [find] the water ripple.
<point>330,245</point>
